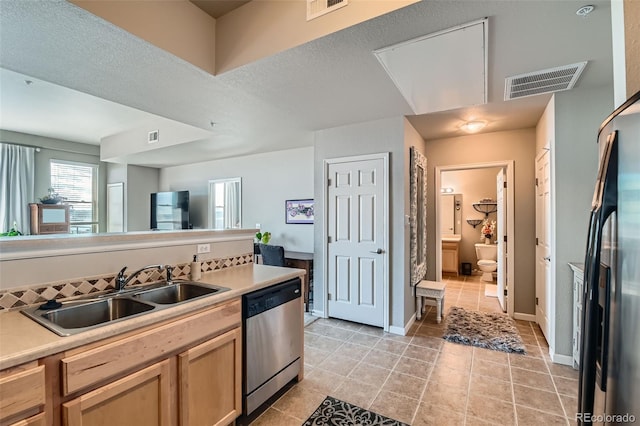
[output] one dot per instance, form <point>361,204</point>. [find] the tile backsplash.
<point>20,297</point>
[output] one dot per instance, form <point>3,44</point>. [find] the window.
<point>78,184</point>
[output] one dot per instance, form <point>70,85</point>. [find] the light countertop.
<point>23,340</point>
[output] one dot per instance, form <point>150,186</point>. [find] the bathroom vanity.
<point>450,254</point>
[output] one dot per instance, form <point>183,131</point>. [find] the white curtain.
<point>231,203</point>
<point>17,171</point>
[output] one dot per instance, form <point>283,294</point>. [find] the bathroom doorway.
<point>445,181</point>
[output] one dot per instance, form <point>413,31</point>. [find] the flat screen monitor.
<point>170,210</point>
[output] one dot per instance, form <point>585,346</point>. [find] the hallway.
<point>421,379</point>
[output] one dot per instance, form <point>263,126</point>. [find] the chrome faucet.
<point>121,281</point>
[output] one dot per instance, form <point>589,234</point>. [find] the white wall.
<point>516,145</point>
<point>379,136</point>
<point>267,181</point>
<point>139,183</point>
<point>574,155</point>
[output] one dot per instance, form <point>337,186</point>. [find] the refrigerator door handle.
<point>604,204</point>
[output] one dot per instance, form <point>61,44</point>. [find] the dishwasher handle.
<point>263,300</point>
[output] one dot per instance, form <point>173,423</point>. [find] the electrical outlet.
<point>204,248</point>
<point>257,226</point>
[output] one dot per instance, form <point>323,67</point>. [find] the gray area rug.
<point>333,411</point>
<point>483,329</point>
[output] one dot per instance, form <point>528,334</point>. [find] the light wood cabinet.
<point>49,219</point>
<point>142,399</point>
<point>450,257</point>
<point>185,371</point>
<point>22,394</point>
<point>210,377</point>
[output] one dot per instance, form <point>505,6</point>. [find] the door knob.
<point>379,251</point>
<point>548,258</point>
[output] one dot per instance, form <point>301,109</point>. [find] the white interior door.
<point>500,235</point>
<point>543,242</point>
<point>357,248</point>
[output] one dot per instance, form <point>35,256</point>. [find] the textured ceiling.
<point>275,103</point>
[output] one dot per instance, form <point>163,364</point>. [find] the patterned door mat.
<point>333,411</point>
<point>483,329</point>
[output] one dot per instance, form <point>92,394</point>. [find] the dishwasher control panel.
<point>271,297</point>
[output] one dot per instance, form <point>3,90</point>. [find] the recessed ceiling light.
<point>473,126</point>
<point>585,10</point>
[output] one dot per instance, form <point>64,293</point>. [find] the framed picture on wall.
<point>299,211</point>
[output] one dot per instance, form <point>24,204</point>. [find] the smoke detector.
<point>543,81</point>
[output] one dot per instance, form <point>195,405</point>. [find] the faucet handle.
<point>120,280</point>
<point>169,270</point>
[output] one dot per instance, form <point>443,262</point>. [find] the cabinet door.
<point>141,399</point>
<point>210,381</point>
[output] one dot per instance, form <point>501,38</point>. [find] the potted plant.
<point>13,232</point>
<point>263,237</point>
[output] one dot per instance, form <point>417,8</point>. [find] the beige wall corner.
<point>632,45</point>
<point>262,28</point>
<point>177,26</point>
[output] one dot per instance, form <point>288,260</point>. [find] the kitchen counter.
<point>23,340</point>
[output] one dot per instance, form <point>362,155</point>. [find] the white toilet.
<point>487,255</point>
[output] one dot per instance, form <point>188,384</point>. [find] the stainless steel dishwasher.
<point>273,332</point>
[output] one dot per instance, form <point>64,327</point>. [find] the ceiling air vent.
<point>544,81</point>
<point>316,8</point>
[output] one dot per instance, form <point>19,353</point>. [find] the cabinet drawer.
<point>449,246</point>
<point>114,359</point>
<point>37,420</point>
<point>21,391</point>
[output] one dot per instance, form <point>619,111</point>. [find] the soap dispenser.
<point>196,268</point>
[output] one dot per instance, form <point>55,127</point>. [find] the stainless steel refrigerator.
<point>609,383</point>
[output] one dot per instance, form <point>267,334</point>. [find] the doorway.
<point>508,172</point>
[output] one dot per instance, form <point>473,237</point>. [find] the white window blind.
<point>77,183</point>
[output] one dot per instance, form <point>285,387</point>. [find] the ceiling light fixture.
<point>473,126</point>
<point>585,10</point>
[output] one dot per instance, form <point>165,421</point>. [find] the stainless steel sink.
<point>86,314</point>
<point>177,293</point>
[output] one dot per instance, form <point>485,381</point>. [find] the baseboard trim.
<point>524,317</point>
<point>562,359</point>
<point>317,313</point>
<point>403,331</point>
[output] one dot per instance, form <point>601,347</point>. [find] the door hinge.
<point>536,240</point>
<point>328,296</point>
<point>536,181</point>
<point>505,184</point>
<point>536,301</point>
<point>328,182</point>
<point>505,238</point>
<point>329,239</point>
<point>505,291</point>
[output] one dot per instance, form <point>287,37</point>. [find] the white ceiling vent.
<point>154,136</point>
<point>544,81</point>
<point>316,8</point>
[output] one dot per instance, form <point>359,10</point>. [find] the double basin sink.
<point>85,314</point>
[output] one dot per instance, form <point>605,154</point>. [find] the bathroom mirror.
<point>418,215</point>
<point>451,214</point>
<point>225,203</point>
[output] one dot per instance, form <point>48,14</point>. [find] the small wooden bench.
<point>430,293</point>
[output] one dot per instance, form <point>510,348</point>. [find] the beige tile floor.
<point>421,379</point>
